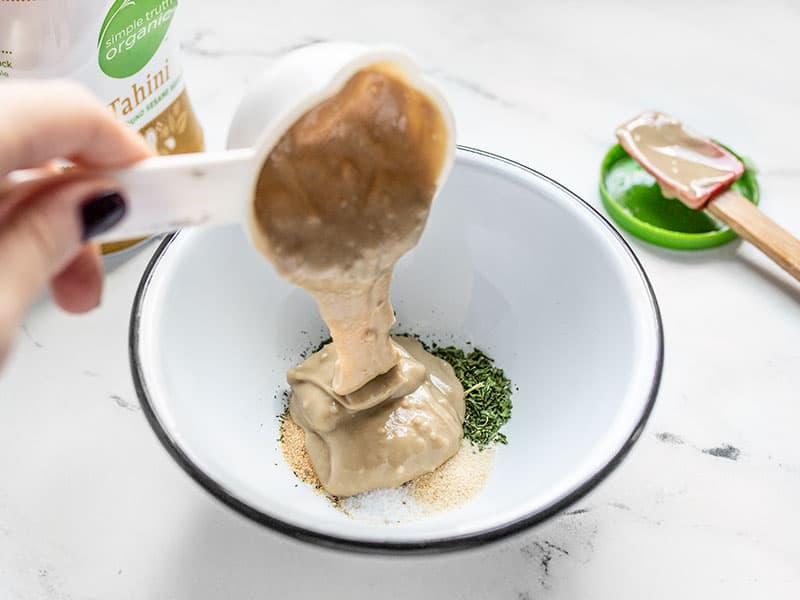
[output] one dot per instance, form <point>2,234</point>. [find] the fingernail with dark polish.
<point>101,213</point>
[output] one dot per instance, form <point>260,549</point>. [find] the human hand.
<point>44,229</point>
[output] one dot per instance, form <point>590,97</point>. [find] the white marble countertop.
<point>92,507</point>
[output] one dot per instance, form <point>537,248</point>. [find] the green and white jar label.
<point>125,51</point>
<point>131,33</point>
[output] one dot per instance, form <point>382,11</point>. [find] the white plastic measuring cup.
<point>166,193</point>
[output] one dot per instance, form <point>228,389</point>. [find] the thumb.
<point>44,233</point>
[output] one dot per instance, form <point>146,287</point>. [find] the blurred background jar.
<point>122,50</point>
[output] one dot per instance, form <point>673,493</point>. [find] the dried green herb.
<point>487,394</point>
<point>322,344</point>
<point>487,391</point>
<point>285,395</point>
<point>314,349</point>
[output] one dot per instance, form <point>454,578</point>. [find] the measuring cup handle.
<point>163,193</point>
<point>166,193</point>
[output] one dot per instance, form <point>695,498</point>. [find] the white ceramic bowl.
<point>510,260</point>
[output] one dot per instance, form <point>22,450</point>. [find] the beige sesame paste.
<point>687,165</point>
<point>344,194</point>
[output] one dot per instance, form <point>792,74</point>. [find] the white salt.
<point>387,506</point>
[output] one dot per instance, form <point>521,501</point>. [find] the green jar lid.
<point>634,200</point>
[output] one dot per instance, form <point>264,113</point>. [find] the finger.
<point>78,288</point>
<point>13,190</point>
<point>60,119</point>
<point>44,234</point>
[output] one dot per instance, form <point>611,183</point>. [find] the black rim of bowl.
<point>428,546</point>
